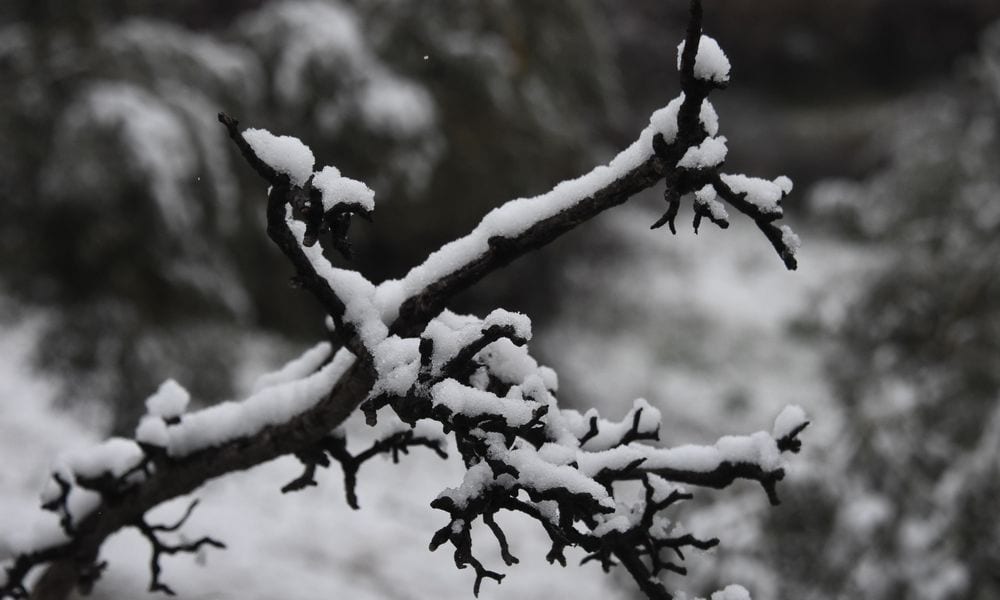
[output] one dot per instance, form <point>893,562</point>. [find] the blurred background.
<point>132,250</point>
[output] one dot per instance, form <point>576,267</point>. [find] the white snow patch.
<point>354,291</point>
<point>516,216</point>
<point>614,459</point>
<point>274,405</point>
<point>711,63</point>
<point>169,401</point>
<point>785,183</point>
<point>153,431</point>
<point>663,488</point>
<point>610,432</point>
<point>450,333</point>
<point>297,368</point>
<point>336,189</point>
<point>397,362</point>
<point>790,418</point>
<point>509,363</point>
<point>758,449</point>
<point>708,197</point>
<point>538,474</point>
<point>468,401</point>
<point>115,456</point>
<point>732,592</point>
<point>762,193</point>
<point>790,239</point>
<point>285,154</point>
<point>710,153</point>
<point>709,118</point>
<point>503,318</point>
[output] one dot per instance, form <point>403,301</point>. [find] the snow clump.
<point>711,63</point>
<point>788,420</point>
<point>336,189</point>
<point>710,153</point>
<point>169,401</point>
<point>284,153</point>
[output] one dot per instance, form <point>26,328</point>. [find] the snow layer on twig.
<point>114,457</point>
<point>765,195</point>
<point>284,153</point>
<point>397,362</point>
<point>757,449</point>
<point>788,420</point>
<point>337,189</point>
<point>791,240</point>
<point>709,198</point>
<point>464,400</point>
<point>296,368</point>
<point>274,405</point>
<point>517,216</point>
<point>711,63</point>
<point>356,292</point>
<point>710,153</point>
<point>169,401</point>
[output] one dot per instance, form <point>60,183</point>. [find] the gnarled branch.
<point>382,330</point>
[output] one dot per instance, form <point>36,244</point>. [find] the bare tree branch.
<point>506,427</point>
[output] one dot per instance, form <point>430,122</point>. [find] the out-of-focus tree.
<point>122,210</point>
<point>910,511</point>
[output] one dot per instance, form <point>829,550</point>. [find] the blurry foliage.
<point>124,211</point>
<point>918,364</point>
<point>818,51</point>
<point>811,74</point>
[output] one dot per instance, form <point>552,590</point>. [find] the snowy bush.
<point>909,502</point>
<point>426,377</point>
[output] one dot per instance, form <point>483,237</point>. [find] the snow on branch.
<point>697,153</point>
<point>560,467</point>
<point>427,377</point>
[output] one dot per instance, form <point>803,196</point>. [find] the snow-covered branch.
<point>567,470</point>
<point>428,377</point>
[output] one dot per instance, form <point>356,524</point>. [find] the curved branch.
<point>172,477</point>
<point>295,221</point>
<point>419,308</point>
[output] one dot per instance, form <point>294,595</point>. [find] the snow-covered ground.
<point>700,326</point>
<point>309,544</point>
<point>710,328</point>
